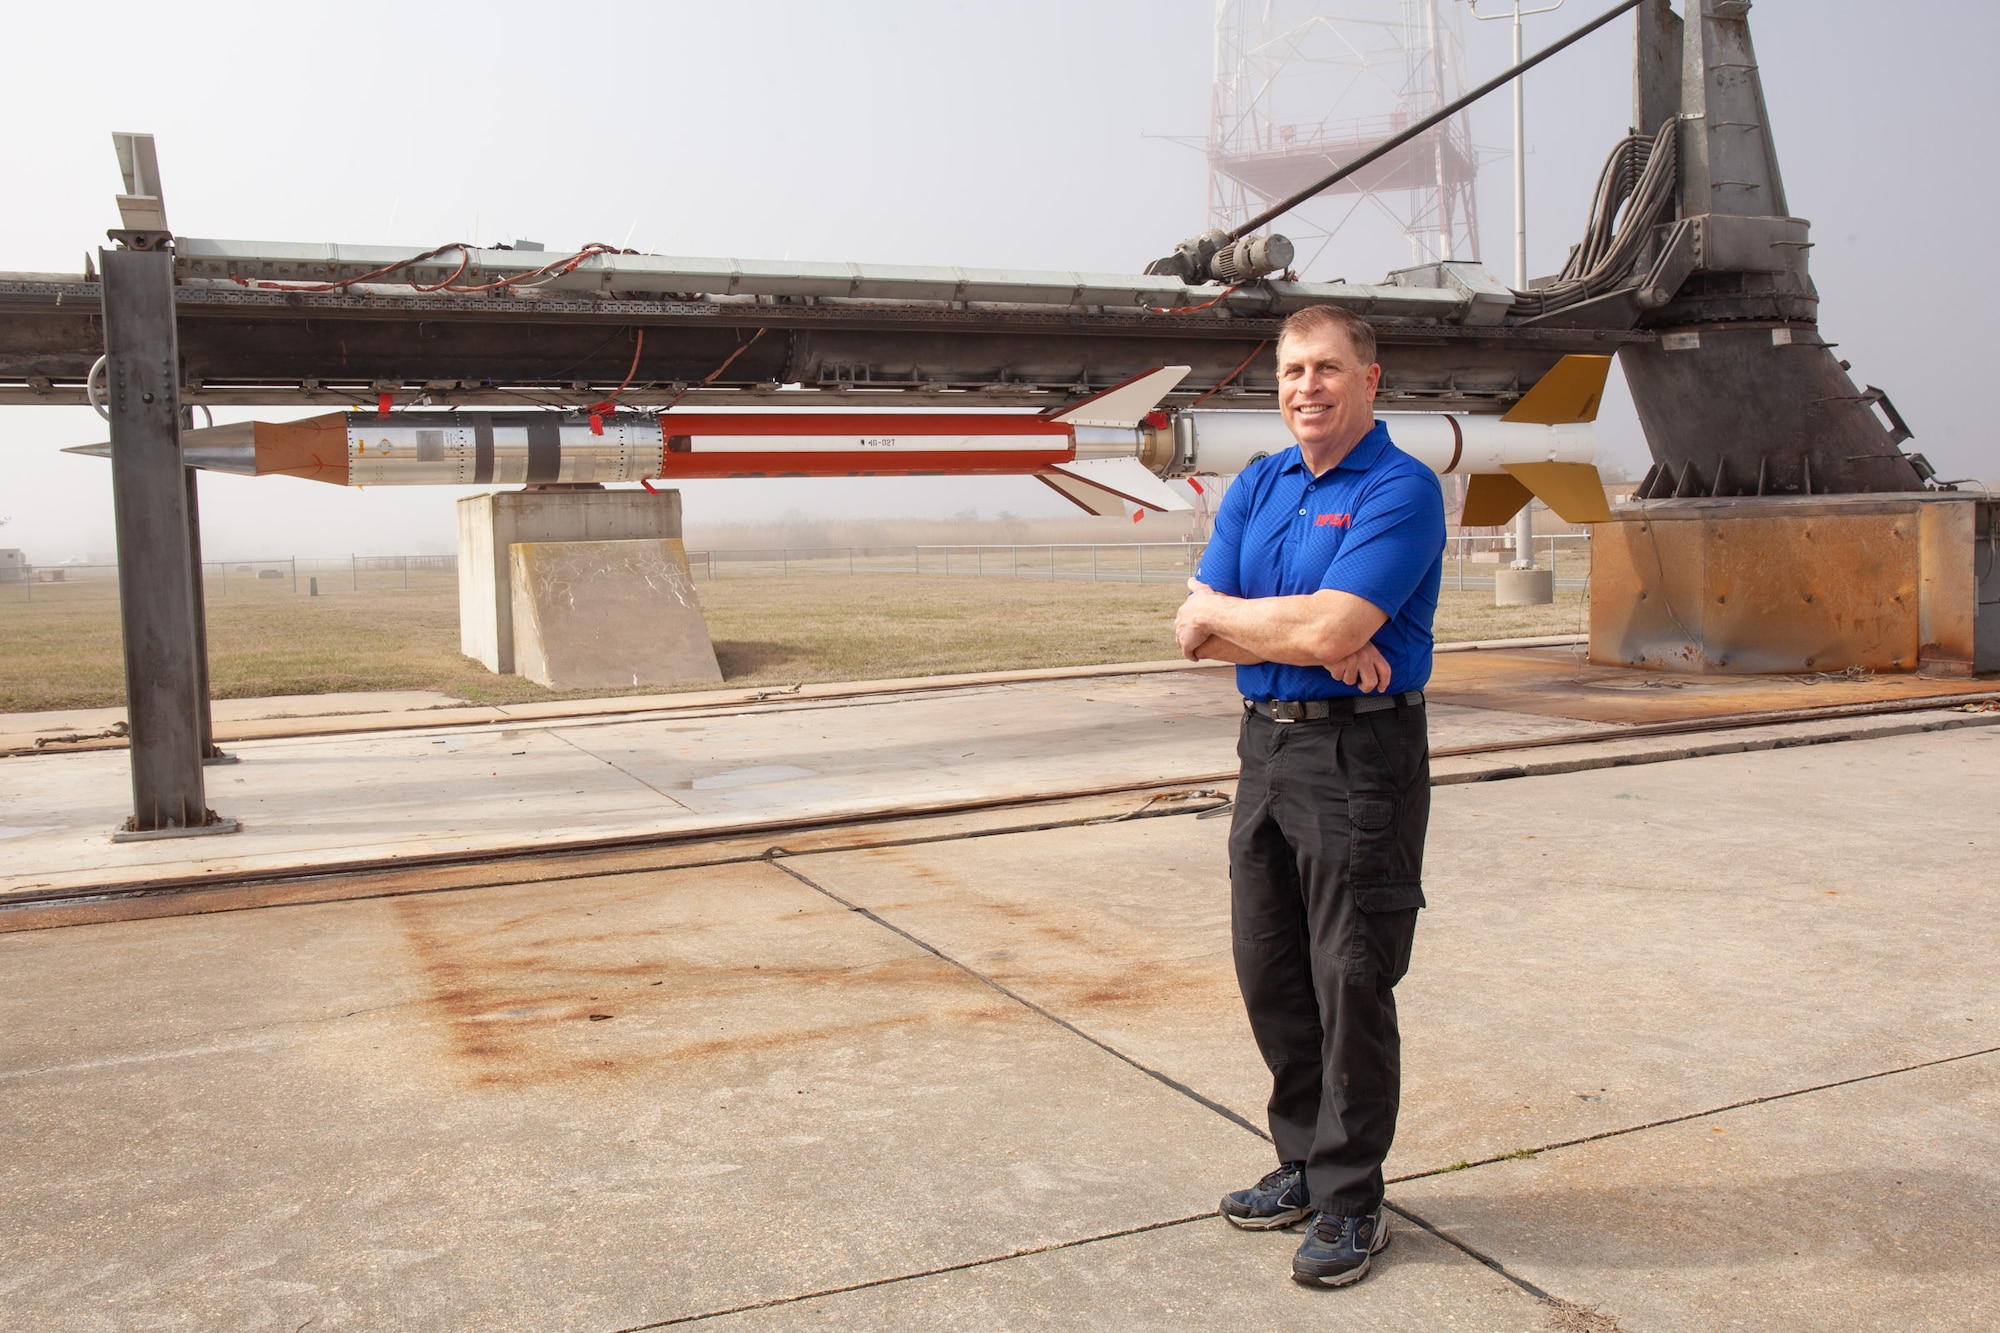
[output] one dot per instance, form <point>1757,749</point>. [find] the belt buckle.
<point>1286,711</point>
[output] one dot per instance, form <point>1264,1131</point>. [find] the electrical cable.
<point>1190,309</point>
<point>715,374</point>
<point>1635,192</point>
<point>1225,380</point>
<point>547,273</point>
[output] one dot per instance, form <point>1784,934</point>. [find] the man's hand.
<point>1190,628</point>
<point>1365,667</point>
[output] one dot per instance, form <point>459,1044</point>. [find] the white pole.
<point>1520,166</point>
<point>1520,138</point>
<point>1524,522</point>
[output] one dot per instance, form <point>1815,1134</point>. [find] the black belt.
<point>1318,710</point>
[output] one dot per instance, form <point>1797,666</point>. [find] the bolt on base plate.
<point>218,825</point>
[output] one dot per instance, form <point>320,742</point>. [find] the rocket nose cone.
<point>196,452</point>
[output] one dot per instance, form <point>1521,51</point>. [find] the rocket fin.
<point>1114,481</point>
<point>1491,498</point>
<point>1569,394</point>
<point>1084,496</point>
<point>1123,405</point>
<point>1573,490</point>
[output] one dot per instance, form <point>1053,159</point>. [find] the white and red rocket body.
<point>1112,449</point>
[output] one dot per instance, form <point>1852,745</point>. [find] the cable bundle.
<point>1635,191</point>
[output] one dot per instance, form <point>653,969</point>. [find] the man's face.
<point>1325,394</point>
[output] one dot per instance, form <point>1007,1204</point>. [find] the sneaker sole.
<point>1352,1275</point>
<point>1276,1222</point>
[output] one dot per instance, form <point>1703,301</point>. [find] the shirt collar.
<point>1360,458</point>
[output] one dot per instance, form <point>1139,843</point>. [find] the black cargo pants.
<point>1325,865</point>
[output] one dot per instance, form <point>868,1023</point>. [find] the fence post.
<point>295,576</point>
<point>406,573</point>
<point>1093,564</point>
<point>1015,549</point>
<point>1142,562</point>
<point>850,559</point>
<point>353,572</point>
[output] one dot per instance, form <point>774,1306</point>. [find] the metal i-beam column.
<point>155,588</point>
<point>210,752</point>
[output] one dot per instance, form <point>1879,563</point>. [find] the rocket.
<point>1115,447</point>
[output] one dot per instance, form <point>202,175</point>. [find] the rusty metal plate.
<point>1752,590</point>
<point>1558,682</point>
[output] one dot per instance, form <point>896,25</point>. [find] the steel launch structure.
<point>1690,271</point>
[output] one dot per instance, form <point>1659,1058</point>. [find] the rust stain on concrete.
<point>514,998</point>
<point>1068,955</point>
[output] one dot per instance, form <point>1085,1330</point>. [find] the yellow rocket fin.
<point>1491,498</point>
<point>1569,394</point>
<point>1573,490</point>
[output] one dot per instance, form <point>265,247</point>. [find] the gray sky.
<point>1009,135</point>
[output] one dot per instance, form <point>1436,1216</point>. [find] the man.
<point>1320,582</point>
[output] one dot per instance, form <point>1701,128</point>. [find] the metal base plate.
<point>153,835</point>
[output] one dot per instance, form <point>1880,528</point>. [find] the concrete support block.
<point>1524,587</point>
<point>608,615</point>
<point>489,524</point>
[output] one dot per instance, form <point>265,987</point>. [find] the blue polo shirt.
<point>1373,526</point>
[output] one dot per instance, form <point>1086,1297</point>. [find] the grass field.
<point>62,649</point>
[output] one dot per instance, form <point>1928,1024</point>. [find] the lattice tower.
<point>1301,87</point>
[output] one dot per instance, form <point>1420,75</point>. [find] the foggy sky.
<point>1017,135</point>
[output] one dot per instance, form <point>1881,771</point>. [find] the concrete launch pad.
<point>691,1025</point>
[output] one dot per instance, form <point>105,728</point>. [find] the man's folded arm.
<point>1316,629</point>
<point>1218,649</point>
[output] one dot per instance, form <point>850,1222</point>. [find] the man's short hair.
<point>1317,319</point>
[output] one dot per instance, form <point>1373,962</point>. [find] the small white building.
<point>13,566</point>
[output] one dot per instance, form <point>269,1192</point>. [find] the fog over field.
<point>1029,135</point>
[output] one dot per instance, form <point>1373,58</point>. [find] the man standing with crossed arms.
<point>1320,582</point>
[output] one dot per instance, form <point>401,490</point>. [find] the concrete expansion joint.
<point>873,1283</point>
<point>1525,1154</point>
<point>1477,1255</point>
<point>773,855</point>
<point>1156,1075</point>
<point>1590,1313</point>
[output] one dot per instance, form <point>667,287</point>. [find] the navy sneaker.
<point>1276,1201</point>
<point>1336,1250</point>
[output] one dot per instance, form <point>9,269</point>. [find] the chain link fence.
<point>1470,564</point>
